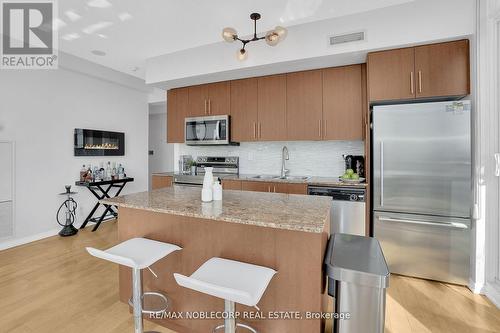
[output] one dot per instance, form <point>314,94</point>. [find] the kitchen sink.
<point>278,177</point>
<point>265,177</point>
<point>296,178</point>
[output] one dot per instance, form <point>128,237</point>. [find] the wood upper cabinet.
<point>435,70</point>
<point>209,99</point>
<point>343,103</point>
<point>158,181</point>
<point>177,109</point>
<point>442,69</point>
<point>198,101</point>
<point>271,108</point>
<point>244,110</point>
<point>304,105</point>
<point>219,100</point>
<point>231,184</point>
<point>391,75</point>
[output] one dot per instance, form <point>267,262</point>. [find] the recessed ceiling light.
<point>58,24</point>
<point>124,16</point>
<point>96,27</point>
<point>99,3</point>
<point>98,53</point>
<point>102,36</point>
<point>70,37</point>
<point>72,15</point>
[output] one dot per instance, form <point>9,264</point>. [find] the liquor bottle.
<point>83,171</point>
<point>108,171</point>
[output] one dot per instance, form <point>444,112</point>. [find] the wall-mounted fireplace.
<point>98,143</point>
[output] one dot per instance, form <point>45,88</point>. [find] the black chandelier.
<point>272,37</point>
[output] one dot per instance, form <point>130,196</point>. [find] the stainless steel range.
<point>223,167</point>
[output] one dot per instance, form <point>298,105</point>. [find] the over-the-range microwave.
<point>211,130</point>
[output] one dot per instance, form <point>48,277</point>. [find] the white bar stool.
<point>233,281</point>
<point>138,253</point>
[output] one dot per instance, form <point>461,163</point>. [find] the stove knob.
<point>354,197</point>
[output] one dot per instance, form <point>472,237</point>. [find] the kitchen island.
<point>287,233</point>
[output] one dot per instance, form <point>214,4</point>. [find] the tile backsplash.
<point>307,158</point>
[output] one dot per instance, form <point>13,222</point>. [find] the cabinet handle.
<point>269,188</point>
<point>205,107</point>
<point>209,106</point>
<point>319,128</point>
<point>412,88</point>
<point>274,188</point>
<point>419,81</point>
<point>260,130</point>
<point>325,128</point>
<point>254,130</point>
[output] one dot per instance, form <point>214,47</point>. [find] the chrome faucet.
<point>284,156</point>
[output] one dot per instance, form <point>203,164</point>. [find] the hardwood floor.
<point>53,285</point>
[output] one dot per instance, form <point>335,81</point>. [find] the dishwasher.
<point>348,208</point>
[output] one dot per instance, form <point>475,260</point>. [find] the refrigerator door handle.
<point>381,173</point>
<point>453,225</point>
<point>497,164</point>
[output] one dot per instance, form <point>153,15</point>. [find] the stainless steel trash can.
<point>357,278</point>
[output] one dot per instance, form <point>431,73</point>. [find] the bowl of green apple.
<point>350,177</point>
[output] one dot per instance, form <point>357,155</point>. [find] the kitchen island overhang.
<point>287,233</point>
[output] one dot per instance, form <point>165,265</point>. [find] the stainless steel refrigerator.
<point>422,194</point>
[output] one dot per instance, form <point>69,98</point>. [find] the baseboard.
<point>13,242</point>
<point>493,293</point>
<point>10,243</point>
<point>476,288</point>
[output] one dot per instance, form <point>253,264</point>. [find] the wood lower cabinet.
<point>442,69</point>
<point>244,110</point>
<point>304,114</point>
<point>272,108</point>
<point>391,75</point>
<point>230,184</point>
<point>177,109</point>
<point>297,188</point>
<point>158,181</point>
<point>274,187</point>
<point>256,186</point>
<point>343,103</point>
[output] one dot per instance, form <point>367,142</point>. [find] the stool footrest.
<point>152,303</point>
<point>251,329</point>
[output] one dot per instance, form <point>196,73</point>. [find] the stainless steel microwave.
<point>211,130</point>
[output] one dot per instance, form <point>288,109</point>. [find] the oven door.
<point>207,130</point>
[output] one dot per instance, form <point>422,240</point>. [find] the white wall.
<point>163,152</point>
<point>307,158</point>
<point>306,45</point>
<point>39,110</point>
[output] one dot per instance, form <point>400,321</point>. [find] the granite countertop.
<point>273,210</point>
<point>320,181</point>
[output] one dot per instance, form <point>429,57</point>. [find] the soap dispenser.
<point>217,191</point>
<point>208,182</point>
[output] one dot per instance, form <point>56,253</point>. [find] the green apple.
<point>355,176</point>
<point>349,172</point>
<point>345,176</point>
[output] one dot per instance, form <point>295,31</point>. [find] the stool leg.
<point>136,299</point>
<point>230,321</point>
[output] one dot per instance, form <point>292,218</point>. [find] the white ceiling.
<point>130,31</point>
